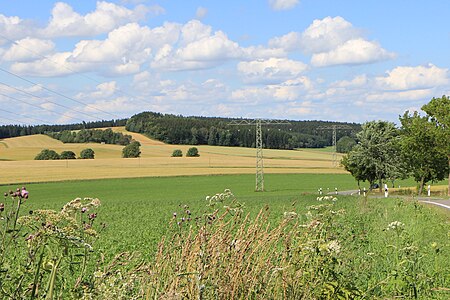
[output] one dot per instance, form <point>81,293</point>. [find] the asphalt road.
<point>427,200</point>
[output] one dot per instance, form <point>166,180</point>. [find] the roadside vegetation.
<point>419,149</point>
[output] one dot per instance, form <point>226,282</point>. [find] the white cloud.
<point>14,28</point>
<point>290,42</point>
<point>107,16</point>
<point>260,52</point>
<point>395,96</point>
<point>357,51</point>
<point>420,77</point>
<point>103,90</point>
<point>199,49</point>
<point>357,81</point>
<point>328,34</point>
<point>283,4</point>
<point>273,70</point>
<point>201,12</point>
<point>57,64</point>
<point>28,49</point>
<point>290,90</point>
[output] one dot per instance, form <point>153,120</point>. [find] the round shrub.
<point>68,155</point>
<point>87,154</point>
<point>192,152</point>
<point>132,150</point>
<point>177,153</point>
<point>47,154</point>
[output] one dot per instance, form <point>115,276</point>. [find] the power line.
<point>259,145</point>
<point>15,113</point>
<point>56,103</point>
<point>39,107</point>
<point>72,70</point>
<point>57,93</point>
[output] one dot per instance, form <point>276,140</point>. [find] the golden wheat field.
<point>17,164</point>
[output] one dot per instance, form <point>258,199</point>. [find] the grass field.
<point>138,212</point>
<point>17,164</point>
<point>137,209</point>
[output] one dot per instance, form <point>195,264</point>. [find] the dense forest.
<point>7,131</point>
<point>106,136</point>
<point>173,129</point>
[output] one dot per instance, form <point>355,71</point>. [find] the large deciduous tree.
<point>438,111</point>
<point>421,150</point>
<point>376,156</point>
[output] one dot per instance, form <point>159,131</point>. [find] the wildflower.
<point>290,215</point>
<point>5,194</point>
<point>188,212</point>
<point>84,209</point>
<point>98,274</point>
<point>24,193</point>
<point>334,247</point>
<point>396,225</point>
<point>92,216</point>
<point>2,207</point>
<point>174,215</point>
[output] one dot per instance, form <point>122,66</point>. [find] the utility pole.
<point>335,128</point>
<point>259,145</point>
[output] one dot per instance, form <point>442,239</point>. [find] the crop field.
<point>17,164</point>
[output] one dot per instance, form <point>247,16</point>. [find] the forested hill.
<point>174,129</point>
<point>7,131</point>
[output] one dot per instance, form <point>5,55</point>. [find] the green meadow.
<point>136,211</point>
<point>348,248</point>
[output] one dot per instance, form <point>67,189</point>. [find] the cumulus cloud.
<point>107,16</point>
<point>283,4</point>
<point>332,41</point>
<point>290,42</point>
<point>352,52</point>
<point>57,64</point>
<point>123,52</point>
<point>405,78</point>
<point>28,49</point>
<point>328,34</point>
<point>290,90</point>
<point>199,48</point>
<point>273,70</point>
<point>14,28</point>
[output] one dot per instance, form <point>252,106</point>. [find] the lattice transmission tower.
<point>259,145</point>
<point>335,128</point>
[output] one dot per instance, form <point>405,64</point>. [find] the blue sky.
<point>348,60</point>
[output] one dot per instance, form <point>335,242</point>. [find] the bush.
<point>132,150</point>
<point>177,153</point>
<point>68,155</point>
<point>87,154</point>
<point>345,144</point>
<point>47,154</point>
<point>192,152</point>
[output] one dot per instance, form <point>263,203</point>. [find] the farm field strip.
<point>17,164</point>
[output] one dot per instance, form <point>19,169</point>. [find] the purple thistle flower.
<point>84,209</point>
<point>24,193</point>
<point>92,216</point>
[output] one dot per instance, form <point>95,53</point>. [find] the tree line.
<point>106,136</point>
<point>177,129</point>
<point>8,131</point>
<point>420,148</point>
